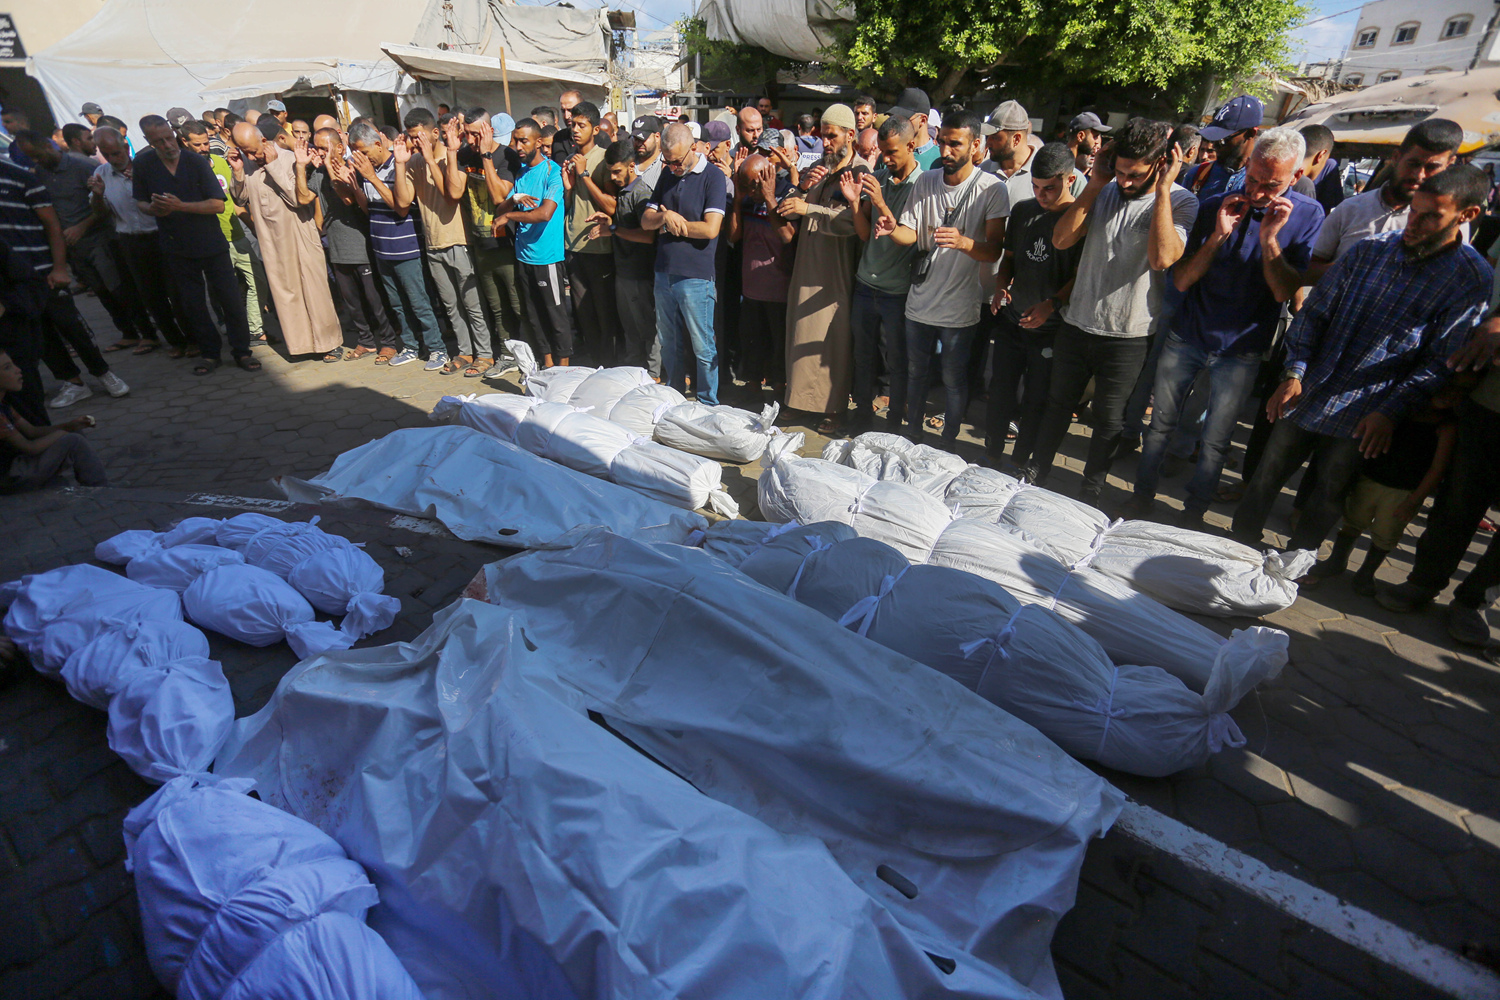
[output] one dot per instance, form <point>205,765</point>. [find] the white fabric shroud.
<point>509,818</point>
<point>177,567</point>
<point>488,490</point>
<point>1188,570</point>
<point>170,719</point>
<point>594,446</point>
<point>236,532</point>
<point>258,607</point>
<point>1024,658</point>
<point>1131,626</point>
<point>242,900</point>
<point>52,614</point>
<point>681,655</point>
<point>722,432</point>
<point>100,667</point>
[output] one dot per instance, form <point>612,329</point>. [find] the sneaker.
<point>114,384</point>
<point>1467,625</point>
<point>1404,597</point>
<point>435,361</point>
<point>501,368</point>
<point>69,394</point>
<point>405,357</point>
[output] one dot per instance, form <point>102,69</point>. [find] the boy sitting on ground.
<point>30,456</point>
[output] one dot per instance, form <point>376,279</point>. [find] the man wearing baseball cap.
<point>277,110</point>
<point>1232,131</point>
<point>913,105</point>
<point>176,116</point>
<point>1084,136</point>
<point>92,113</point>
<point>1006,134</point>
<point>645,133</point>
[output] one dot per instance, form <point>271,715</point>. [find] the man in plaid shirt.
<point>1369,346</point>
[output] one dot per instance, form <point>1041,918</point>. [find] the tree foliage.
<point>1061,42</point>
<point>730,63</point>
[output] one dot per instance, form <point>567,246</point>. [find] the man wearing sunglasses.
<point>687,209</point>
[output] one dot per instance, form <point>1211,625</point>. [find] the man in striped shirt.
<point>36,260</point>
<point>398,256</point>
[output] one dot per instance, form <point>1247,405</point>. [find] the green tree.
<point>1060,42</point>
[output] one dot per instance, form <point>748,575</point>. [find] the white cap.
<point>696,129</point>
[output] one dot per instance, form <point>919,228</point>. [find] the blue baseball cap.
<point>1239,114</point>
<point>504,125</point>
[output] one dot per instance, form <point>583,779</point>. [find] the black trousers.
<point>546,308</point>
<point>1471,488</point>
<point>1289,446</point>
<point>212,276</point>
<point>1114,363</point>
<point>362,305</point>
<point>93,261</point>
<point>592,279</point>
<point>63,326</point>
<point>148,273</point>
<point>1020,357</point>
<point>635,302</point>
<point>762,342</point>
<point>21,337</point>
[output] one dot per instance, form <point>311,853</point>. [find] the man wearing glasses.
<point>687,208</point>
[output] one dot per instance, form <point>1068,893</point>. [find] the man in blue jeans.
<point>686,210</point>
<point>1243,260</point>
<point>956,217</point>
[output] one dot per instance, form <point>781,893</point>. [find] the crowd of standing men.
<point>1149,264</point>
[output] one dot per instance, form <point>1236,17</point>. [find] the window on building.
<point>1457,27</point>
<point>1366,39</point>
<point>1439,69</point>
<point>1405,33</point>
<point>1354,79</point>
<point>1388,76</point>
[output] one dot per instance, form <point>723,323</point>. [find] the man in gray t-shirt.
<point>956,218</point>
<point>1134,223</point>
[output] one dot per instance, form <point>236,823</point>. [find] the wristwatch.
<point>1056,302</point>
<point>1287,374</point>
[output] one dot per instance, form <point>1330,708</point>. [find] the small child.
<point>1391,488</point>
<point>30,456</point>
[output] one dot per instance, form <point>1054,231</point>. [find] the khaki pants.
<point>1373,506</point>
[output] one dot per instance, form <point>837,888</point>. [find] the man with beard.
<point>1084,136</point>
<point>1428,149</point>
<point>1232,132</point>
<point>1369,347</point>
<point>645,134</point>
<point>281,205</point>
<point>534,208</point>
<point>767,115</point>
<point>822,284</point>
<point>1244,259</point>
<point>1133,221</point>
<point>864,112</point>
<point>956,219</point>
<point>913,104</point>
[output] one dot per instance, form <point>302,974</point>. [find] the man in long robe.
<point>282,207</point>
<point>820,297</point>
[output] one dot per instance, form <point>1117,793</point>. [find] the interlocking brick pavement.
<point>1370,769</point>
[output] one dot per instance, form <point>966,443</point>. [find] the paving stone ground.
<point>1370,768</point>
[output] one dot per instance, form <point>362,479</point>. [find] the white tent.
<point>139,57</point>
<point>797,29</point>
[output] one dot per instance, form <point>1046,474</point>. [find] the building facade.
<point>1397,39</point>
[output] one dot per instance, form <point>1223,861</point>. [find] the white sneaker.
<point>114,384</point>
<point>69,394</point>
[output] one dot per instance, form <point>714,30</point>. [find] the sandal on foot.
<point>385,355</point>
<point>478,367</point>
<point>176,352</point>
<point>830,426</point>
<point>457,364</point>
<point>191,352</point>
<point>248,363</point>
<point>122,345</point>
<point>205,365</point>
<point>934,422</point>
<point>337,354</point>
<point>358,353</point>
<point>146,347</point>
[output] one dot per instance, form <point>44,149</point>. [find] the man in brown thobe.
<point>282,207</point>
<point>821,294</point>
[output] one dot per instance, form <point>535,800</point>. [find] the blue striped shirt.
<point>21,194</point>
<point>392,236</point>
<point>1376,332</point>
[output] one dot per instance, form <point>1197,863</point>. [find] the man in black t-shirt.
<point>178,188</point>
<point>491,167</point>
<point>635,259</point>
<point>1032,284</point>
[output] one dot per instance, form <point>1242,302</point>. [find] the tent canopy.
<point>1382,114</point>
<point>140,57</point>
<point>797,29</point>
<point>439,64</point>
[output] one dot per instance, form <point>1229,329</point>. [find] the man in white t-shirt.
<point>1429,148</point>
<point>956,217</point>
<point>1133,220</point>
